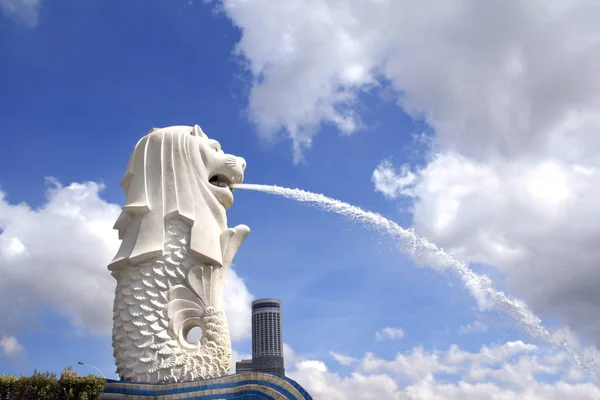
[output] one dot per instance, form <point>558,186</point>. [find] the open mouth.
<point>221,181</point>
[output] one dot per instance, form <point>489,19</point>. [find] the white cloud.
<point>416,365</point>
<point>23,11</point>
<point>315,377</point>
<point>64,248</point>
<point>513,370</point>
<point>389,334</point>
<point>342,359</point>
<point>484,391</point>
<point>56,256</point>
<point>473,327</point>
<point>237,303</point>
<point>511,91</point>
<point>311,55</point>
<point>529,218</point>
<point>235,357</point>
<point>290,357</point>
<point>10,346</point>
<point>393,183</point>
<point>501,78</point>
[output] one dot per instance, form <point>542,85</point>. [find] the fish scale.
<point>146,348</point>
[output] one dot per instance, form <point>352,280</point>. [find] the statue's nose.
<point>242,163</point>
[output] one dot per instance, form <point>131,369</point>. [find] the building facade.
<point>267,338</point>
<point>249,385</point>
<point>243,366</point>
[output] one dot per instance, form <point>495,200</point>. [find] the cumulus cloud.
<point>237,303</point>
<point>511,92</point>
<point>389,333</point>
<point>311,55</point>
<point>494,78</point>
<point>235,357</point>
<point>528,218</point>
<point>56,256</point>
<point>22,11</point>
<point>512,370</point>
<point>416,365</point>
<point>393,183</point>
<point>342,359</point>
<point>10,346</point>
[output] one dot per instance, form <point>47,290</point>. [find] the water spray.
<point>425,252</point>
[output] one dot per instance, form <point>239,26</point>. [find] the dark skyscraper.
<point>267,342</point>
<point>243,366</point>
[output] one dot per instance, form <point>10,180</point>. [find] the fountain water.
<point>425,252</point>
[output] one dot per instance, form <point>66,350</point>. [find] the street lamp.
<point>96,368</point>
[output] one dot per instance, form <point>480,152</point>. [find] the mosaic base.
<point>251,385</point>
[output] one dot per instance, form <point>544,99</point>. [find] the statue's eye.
<point>215,145</point>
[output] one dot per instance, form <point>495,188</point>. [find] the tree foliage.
<point>46,386</point>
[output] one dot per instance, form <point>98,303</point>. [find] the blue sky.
<point>397,126</point>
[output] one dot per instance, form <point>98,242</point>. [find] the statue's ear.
<point>197,131</point>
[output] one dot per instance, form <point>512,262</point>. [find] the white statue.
<point>174,255</point>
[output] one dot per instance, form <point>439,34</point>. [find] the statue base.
<point>250,385</point>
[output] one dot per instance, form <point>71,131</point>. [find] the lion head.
<point>176,172</point>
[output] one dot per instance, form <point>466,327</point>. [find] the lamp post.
<point>96,368</point>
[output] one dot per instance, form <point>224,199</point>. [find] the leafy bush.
<point>8,387</point>
<point>39,386</point>
<point>45,386</point>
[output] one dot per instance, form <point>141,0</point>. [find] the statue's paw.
<point>231,240</point>
<point>242,230</point>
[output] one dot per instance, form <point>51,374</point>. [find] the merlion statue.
<point>174,255</point>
